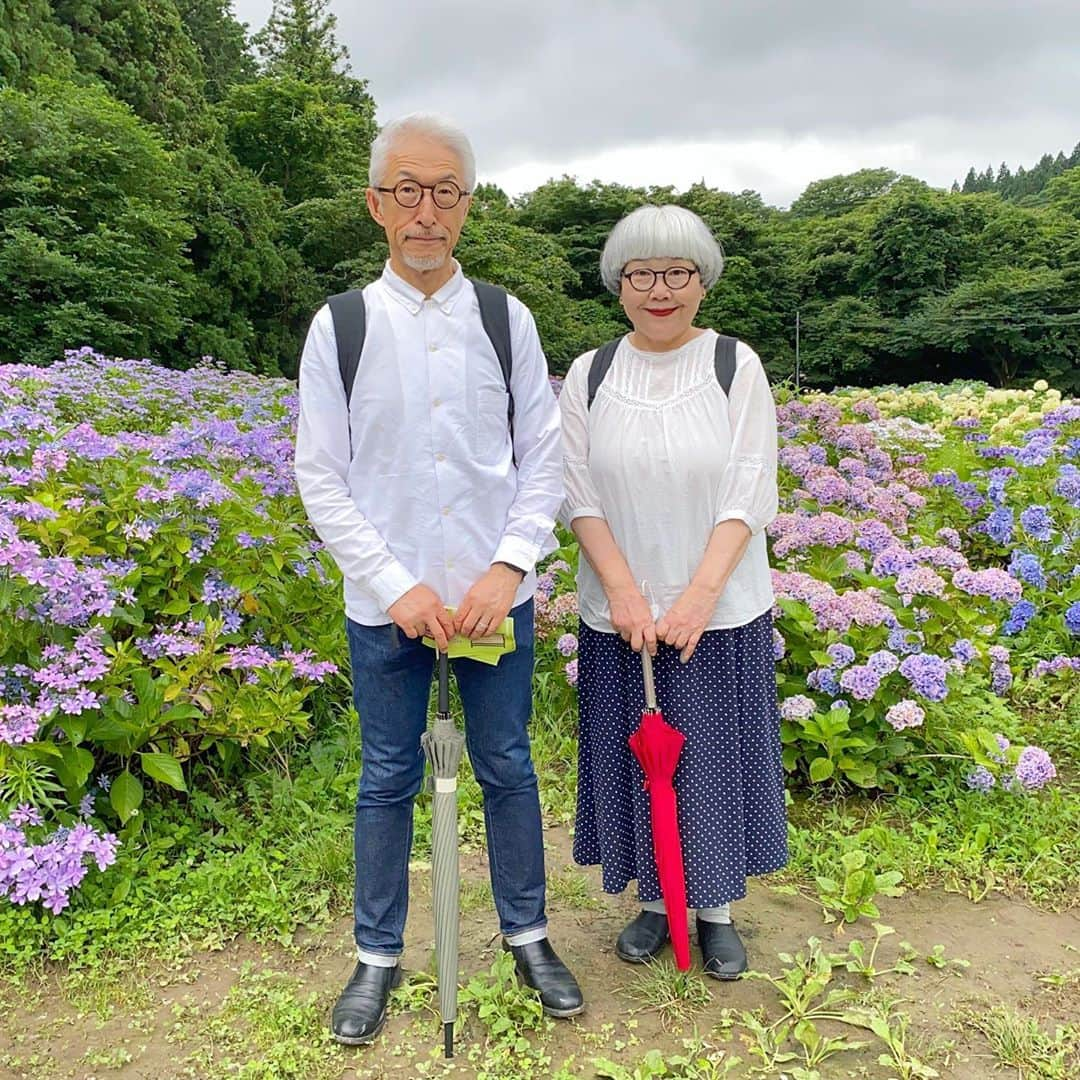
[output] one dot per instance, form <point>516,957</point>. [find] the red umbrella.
<point>657,745</point>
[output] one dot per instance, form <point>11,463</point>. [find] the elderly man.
<point>433,479</point>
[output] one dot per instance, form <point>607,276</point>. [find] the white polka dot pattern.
<point>729,783</point>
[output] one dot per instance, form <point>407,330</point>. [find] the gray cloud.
<point>958,82</point>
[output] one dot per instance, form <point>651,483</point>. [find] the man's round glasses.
<point>409,194</point>
<point>675,277</point>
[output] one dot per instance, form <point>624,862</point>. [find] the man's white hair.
<point>651,232</point>
<point>435,127</point>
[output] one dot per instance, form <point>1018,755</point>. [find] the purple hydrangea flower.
<point>883,662</point>
<point>1034,769</point>
<point>861,682</point>
<point>980,779</point>
<point>840,654</point>
<point>571,672</point>
<point>567,645</point>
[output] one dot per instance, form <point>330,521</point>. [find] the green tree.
<point>140,50</point>
<point>241,270</point>
<point>839,194</point>
<point>31,43</point>
<point>91,213</point>
<point>580,219</point>
<point>296,136</point>
<point>221,42</point>
<point>298,41</point>
<point>1010,327</point>
<point>914,247</point>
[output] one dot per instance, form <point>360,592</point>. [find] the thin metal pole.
<point>796,349</point>
<point>647,675</point>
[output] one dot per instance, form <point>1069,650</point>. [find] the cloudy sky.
<point>761,94</point>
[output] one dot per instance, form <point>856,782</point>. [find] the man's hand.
<point>631,618</point>
<point>420,612</point>
<point>684,624</point>
<point>488,602</point>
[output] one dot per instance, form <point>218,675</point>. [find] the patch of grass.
<point>267,1029</point>
<point>970,842</point>
<point>676,996</point>
<point>1019,1043</point>
<point>475,896</point>
<point>570,888</point>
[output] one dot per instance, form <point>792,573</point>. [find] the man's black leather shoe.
<point>360,1012</point>
<point>722,952</point>
<point>643,938</point>
<point>540,969</point>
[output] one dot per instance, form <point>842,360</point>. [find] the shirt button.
<point>446,511</point>
<point>433,348</point>
<point>440,457</point>
<point>436,402</point>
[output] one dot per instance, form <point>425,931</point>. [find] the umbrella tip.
<point>448,1039</point>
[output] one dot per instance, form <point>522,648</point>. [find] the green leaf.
<point>179,606</point>
<point>126,795</point>
<point>163,767</point>
<point>74,767</point>
<point>820,769</point>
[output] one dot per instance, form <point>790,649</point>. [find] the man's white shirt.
<point>414,480</point>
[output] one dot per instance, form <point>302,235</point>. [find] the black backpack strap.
<point>601,361</point>
<point>724,361</point>
<point>495,316</point>
<point>350,328</point>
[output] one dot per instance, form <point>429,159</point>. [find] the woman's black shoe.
<point>722,953</point>
<point>360,1012</point>
<point>643,939</point>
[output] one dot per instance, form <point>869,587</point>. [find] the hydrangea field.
<point>169,618</point>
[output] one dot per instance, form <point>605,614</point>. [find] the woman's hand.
<point>631,617</point>
<point>684,624</point>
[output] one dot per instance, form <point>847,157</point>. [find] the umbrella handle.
<point>444,683</point>
<point>647,674</point>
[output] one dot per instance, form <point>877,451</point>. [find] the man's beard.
<point>424,262</point>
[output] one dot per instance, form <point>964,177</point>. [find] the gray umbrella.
<point>443,744</point>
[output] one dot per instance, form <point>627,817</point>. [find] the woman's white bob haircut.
<point>651,232</point>
<point>431,125</point>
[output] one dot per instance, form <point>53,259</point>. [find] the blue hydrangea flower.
<point>840,654</point>
<point>1028,569</point>
<point>1037,523</point>
<point>999,525</point>
<point>1021,614</point>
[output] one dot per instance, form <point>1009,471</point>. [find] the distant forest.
<point>173,187</point>
<point>1024,184</point>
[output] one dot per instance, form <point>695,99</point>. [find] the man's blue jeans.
<point>392,677</point>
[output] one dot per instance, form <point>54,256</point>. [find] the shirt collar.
<point>413,299</point>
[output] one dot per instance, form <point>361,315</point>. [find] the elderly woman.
<point>670,481</point>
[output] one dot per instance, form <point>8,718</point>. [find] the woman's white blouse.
<point>664,456</point>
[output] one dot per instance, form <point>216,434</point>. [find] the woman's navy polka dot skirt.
<point>729,782</point>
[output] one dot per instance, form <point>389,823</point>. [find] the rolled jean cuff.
<point>377,959</point>
<point>528,935</point>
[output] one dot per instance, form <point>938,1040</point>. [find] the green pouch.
<point>488,649</point>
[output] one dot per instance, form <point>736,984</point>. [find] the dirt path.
<point>168,1020</point>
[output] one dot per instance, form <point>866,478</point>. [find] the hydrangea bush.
<point>167,607</point>
<point>163,599</point>
<point>927,569</point>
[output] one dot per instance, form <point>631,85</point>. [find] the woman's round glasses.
<point>675,277</point>
<point>409,194</point>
